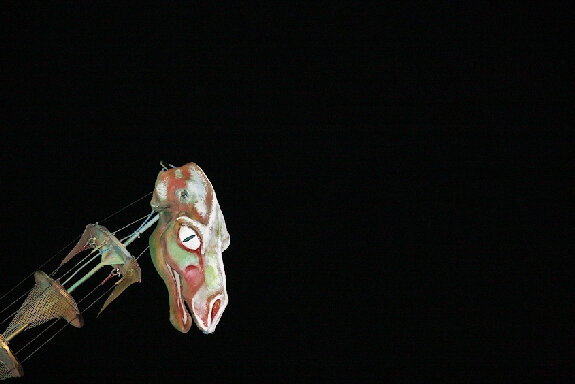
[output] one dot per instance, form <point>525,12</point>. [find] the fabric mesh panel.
<point>45,301</point>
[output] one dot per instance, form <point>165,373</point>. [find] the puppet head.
<point>187,246</point>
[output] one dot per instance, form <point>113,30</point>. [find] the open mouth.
<point>179,299</point>
<point>206,311</point>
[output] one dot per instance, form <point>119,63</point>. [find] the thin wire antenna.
<point>66,324</point>
<point>44,343</point>
<point>66,247</point>
<point>95,252</point>
<point>82,261</point>
<point>25,306</point>
<point>132,223</point>
<point>22,308</point>
<point>141,253</point>
<point>11,304</point>
<point>38,335</point>
<point>150,220</point>
<point>56,320</point>
<point>39,268</point>
<point>127,206</point>
<point>56,270</point>
<point>164,168</point>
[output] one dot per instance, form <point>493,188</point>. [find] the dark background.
<point>386,175</point>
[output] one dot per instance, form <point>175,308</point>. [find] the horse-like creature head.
<point>187,246</point>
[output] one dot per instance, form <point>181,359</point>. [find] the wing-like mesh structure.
<point>47,300</point>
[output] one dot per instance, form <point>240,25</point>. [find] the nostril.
<point>215,309</point>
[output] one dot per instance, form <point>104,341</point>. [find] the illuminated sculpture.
<point>186,249</point>
<point>187,246</point>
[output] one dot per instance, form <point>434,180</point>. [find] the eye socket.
<point>182,194</point>
<point>188,238</point>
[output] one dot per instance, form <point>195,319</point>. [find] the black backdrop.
<point>382,172</point>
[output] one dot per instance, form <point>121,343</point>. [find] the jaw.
<point>206,308</point>
<point>179,315</point>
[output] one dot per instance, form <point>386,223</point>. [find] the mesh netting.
<point>46,301</point>
<point>7,361</point>
<point>9,369</point>
<point>4,371</point>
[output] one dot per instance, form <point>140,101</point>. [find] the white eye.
<point>188,238</point>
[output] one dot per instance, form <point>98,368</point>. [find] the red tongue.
<point>215,309</point>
